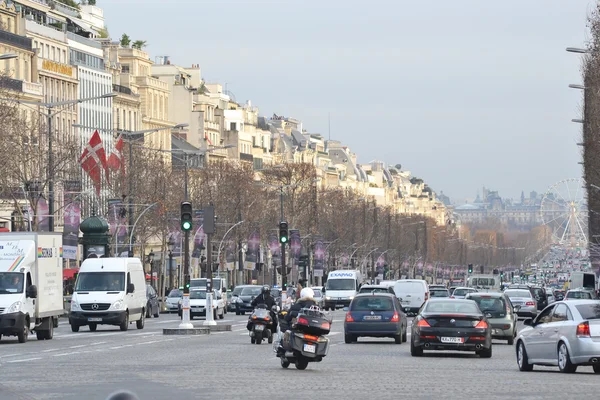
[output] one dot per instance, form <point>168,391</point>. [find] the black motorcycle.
<point>262,322</point>
<point>304,342</point>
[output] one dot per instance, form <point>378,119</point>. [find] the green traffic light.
<point>283,239</point>
<point>186,226</point>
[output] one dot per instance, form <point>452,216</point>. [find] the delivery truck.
<point>31,293</point>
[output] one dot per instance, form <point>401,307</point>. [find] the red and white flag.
<point>93,159</point>
<point>115,160</point>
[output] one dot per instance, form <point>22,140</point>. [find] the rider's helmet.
<point>266,290</point>
<point>307,293</point>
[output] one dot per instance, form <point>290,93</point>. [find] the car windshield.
<point>372,303</point>
<point>236,291</point>
<point>589,311</point>
<point>317,293</point>
<point>11,282</point>
<point>496,307</point>
<point>250,291</point>
<point>175,293</point>
<point>462,292</point>
<point>579,295</point>
<point>440,293</point>
<point>341,284</point>
<point>518,293</point>
<point>198,294</point>
<point>373,290</point>
<point>100,282</point>
<point>452,307</point>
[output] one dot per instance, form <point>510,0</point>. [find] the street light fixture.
<point>576,86</point>
<point>577,50</point>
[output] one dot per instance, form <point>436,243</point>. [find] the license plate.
<point>94,319</point>
<point>452,340</point>
<point>198,309</point>
<point>372,317</point>
<point>259,327</point>
<point>310,348</point>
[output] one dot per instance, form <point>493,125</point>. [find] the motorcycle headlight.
<point>117,305</point>
<point>75,306</point>
<point>14,307</point>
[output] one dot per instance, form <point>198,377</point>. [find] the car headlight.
<point>351,297</point>
<point>14,307</point>
<point>117,305</point>
<point>75,306</point>
<point>327,298</point>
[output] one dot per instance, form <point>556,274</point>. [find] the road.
<point>91,365</point>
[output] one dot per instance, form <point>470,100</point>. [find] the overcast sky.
<point>463,93</point>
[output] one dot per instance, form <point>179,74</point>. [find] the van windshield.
<point>100,282</point>
<point>341,284</point>
<point>11,282</point>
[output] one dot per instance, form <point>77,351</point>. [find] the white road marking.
<point>66,354</point>
<point>78,346</point>
<point>24,360</point>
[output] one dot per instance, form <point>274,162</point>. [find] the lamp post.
<point>171,246</point>
<point>49,116</point>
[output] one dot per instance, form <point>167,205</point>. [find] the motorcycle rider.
<point>306,300</point>
<point>265,298</point>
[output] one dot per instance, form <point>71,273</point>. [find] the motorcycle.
<point>261,324</point>
<point>305,342</point>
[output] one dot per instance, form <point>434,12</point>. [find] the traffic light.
<point>303,261</point>
<point>186,216</point>
<point>187,282</point>
<point>283,232</point>
<point>470,268</point>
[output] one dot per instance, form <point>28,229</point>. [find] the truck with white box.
<point>31,277</point>
<point>341,287</point>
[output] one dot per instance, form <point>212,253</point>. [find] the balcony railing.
<point>15,40</point>
<point>11,84</point>
<point>246,157</point>
<point>124,90</point>
<point>153,82</point>
<point>33,88</point>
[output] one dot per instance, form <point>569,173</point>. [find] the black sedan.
<point>152,305</point>
<point>451,324</point>
<point>244,300</point>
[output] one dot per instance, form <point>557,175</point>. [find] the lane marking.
<point>24,360</point>
<point>66,354</point>
<point>78,346</point>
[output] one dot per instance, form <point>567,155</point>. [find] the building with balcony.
<point>250,137</point>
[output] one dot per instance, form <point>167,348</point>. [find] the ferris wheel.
<point>564,211</point>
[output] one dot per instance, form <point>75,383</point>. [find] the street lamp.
<point>576,86</point>
<point>7,56</point>
<point>577,50</point>
<point>171,246</point>
<point>49,115</point>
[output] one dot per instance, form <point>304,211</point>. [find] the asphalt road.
<point>224,365</point>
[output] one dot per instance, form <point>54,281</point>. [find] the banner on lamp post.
<point>72,219</point>
<point>252,254</point>
<point>117,223</point>
<point>198,240</point>
<point>230,255</point>
<point>275,248</point>
<point>318,257</point>
<point>380,264</point>
<point>295,245</point>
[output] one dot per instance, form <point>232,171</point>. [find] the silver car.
<point>524,300</point>
<point>461,292</point>
<point>172,303</point>
<point>565,334</point>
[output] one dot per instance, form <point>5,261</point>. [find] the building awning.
<point>69,273</point>
<point>86,26</point>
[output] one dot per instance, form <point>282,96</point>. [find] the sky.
<point>462,93</point>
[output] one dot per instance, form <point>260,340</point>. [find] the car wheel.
<point>596,369</point>
<point>522,359</point>
<point>511,341</point>
<point>414,350</point>
<point>140,322</point>
<point>125,324</point>
<point>485,353</point>
<point>398,339</point>
<point>74,328</point>
<point>157,313</point>
<point>237,313</point>
<point>564,360</point>
<point>404,336</point>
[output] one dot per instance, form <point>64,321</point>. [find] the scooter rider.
<point>306,300</point>
<point>265,298</point>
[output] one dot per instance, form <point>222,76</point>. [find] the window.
<point>560,313</point>
<point>545,316</point>
<point>589,311</point>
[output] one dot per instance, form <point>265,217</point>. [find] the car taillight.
<point>426,296</point>
<point>451,297</point>
<point>302,321</point>
<point>349,317</point>
<point>423,323</point>
<point>396,317</point>
<point>530,303</point>
<point>481,325</point>
<point>583,329</point>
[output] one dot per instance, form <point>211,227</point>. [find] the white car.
<point>198,304</point>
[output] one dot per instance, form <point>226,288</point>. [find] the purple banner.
<point>295,245</point>
<point>252,253</point>
<point>199,233</point>
<point>230,255</point>
<point>380,263</point>
<point>275,248</point>
<point>72,219</point>
<point>117,222</point>
<point>43,222</point>
<point>319,257</point>
<point>175,236</point>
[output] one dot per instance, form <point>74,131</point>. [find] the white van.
<point>341,287</point>
<point>413,294</point>
<point>109,291</point>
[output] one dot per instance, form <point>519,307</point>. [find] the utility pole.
<point>209,229</point>
<point>186,226</point>
<point>283,241</point>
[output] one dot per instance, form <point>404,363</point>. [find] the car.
<point>559,294</point>
<point>231,305</point>
<point>540,297</point>
<point>580,294</point>
<point>319,298</point>
<point>375,315</point>
<point>451,324</point>
<point>376,289</point>
<point>525,300</point>
<point>198,304</point>
<point>172,302</point>
<point>412,293</point>
<point>565,334</point>
<point>461,292</point>
<point>499,312</point>
<point>244,299</point>
<point>152,306</point>
<point>439,292</point>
